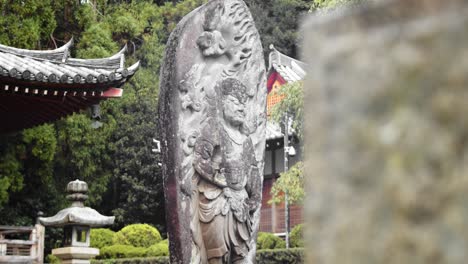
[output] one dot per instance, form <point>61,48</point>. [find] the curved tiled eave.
<point>37,72</point>
<point>54,66</point>
<point>59,54</point>
<point>289,68</point>
<point>113,62</point>
<point>38,87</point>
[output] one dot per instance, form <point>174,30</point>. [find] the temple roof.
<point>38,86</point>
<point>290,69</point>
<point>41,68</point>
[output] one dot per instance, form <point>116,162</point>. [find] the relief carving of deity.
<point>214,130</point>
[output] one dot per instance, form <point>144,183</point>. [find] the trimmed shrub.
<point>122,251</point>
<point>137,235</point>
<point>52,259</point>
<point>157,260</point>
<point>297,237</point>
<point>158,250</point>
<point>101,237</point>
<point>268,256</point>
<point>269,241</point>
<point>277,256</point>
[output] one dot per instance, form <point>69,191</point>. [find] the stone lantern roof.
<point>77,214</point>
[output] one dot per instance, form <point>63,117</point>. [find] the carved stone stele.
<point>212,123</point>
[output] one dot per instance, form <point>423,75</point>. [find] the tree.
<point>26,24</point>
<point>291,181</point>
<point>278,23</point>
<point>292,104</point>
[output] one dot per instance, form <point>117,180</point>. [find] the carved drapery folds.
<point>212,119</point>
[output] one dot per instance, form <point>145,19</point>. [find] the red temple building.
<point>281,70</point>
<point>37,87</point>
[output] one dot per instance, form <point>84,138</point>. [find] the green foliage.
<point>41,150</point>
<point>154,260</point>
<point>85,16</point>
<point>122,251</point>
<point>130,21</point>
<point>330,4</point>
<point>26,24</point>
<point>278,22</point>
<point>101,237</point>
<point>128,251</point>
<point>137,235</point>
<point>158,250</point>
<point>42,141</point>
<point>269,241</point>
<point>11,177</point>
<point>51,259</point>
<point>172,14</point>
<point>85,154</point>
<point>96,42</point>
<point>27,160</point>
<point>291,181</point>
<point>297,236</point>
<point>292,105</point>
<point>277,256</point>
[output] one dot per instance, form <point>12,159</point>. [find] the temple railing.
<point>22,244</point>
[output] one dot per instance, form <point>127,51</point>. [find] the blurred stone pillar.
<point>387,133</point>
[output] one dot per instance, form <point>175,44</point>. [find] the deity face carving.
<point>233,102</point>
<point>188,141</point>
<point>234,110</point>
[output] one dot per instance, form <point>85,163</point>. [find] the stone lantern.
<point>76,221</point>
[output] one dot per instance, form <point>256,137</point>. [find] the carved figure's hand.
<point>186,188</point>
<point>227,192</point>
<point>253,204</point>
<point>220,179</point>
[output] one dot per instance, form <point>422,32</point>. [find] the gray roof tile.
<point>55,66</point>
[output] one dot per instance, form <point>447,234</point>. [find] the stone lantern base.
<point>75,255</point>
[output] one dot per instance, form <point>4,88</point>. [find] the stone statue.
<point>212,123</point>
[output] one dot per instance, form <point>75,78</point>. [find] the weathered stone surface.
<point>75,255</point>
<point>212,124</point>
<point>386,134</point>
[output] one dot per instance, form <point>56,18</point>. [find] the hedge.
<point>51,259</point>
<point>269,241</point>
<point>101,237</point>
<point>137,235</point>
<point>297,237</point>
<point>122,251</point>
<point>277,256</point>
<point>158,250</point>
<point>271,256</point>
<point>157,260</point>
